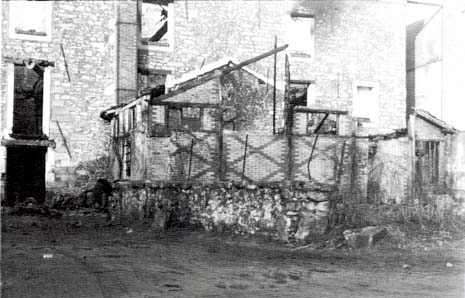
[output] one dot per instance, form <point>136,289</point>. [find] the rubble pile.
<point>31,207</point>
<point>285,212</point>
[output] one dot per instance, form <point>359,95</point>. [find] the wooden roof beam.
<point>216,74</point>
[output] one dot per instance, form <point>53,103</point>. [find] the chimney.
<point>126,50</point>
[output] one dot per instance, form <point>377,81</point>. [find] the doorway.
<point>25,173</point>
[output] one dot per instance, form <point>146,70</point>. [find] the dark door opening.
<point>25,174</point>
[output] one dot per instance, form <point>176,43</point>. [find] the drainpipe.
<point>2,148</point>
<point>442,60</point>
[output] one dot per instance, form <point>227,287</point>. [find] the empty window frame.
<point>428,155</point>
<point>302,93</point>
<point>329,126</point>
<point>28,100</point>
<point>174,118</point>
<point>126,156</point>
<point>301,35</point>
<point>132,118</point>
<point>156,22</point>
<point>366,102</point>
<point>149,79</point>
<point>186,118</point>
<point>191,118</point>
<point>30,20</point>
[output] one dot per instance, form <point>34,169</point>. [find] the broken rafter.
<point>424,3</point>
<point>188,104</point>
<point>216,74</point>
<point>301,109</point>
<point>121,107</point>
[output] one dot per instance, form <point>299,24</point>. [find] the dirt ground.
<point>80,256</point>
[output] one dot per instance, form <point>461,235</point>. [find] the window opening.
<point>30,19</point>
<point>302,93</point>
<point>154,22</point>
<point>428,161</point>
<point>149,80</point>
<point>127,158</point>
<point>301,33</point>
<point>365,105</point>
<point>187,118</point>
<point>329,126</point>
<point>28,100</point>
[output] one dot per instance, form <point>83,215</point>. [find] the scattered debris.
<point>30,207</point>
<point>449,265</point>
<point>128,231</point>
<point>405,266</point>
<point>160,218</point>
<point>365,237</point>
<point>48,256</point>
<point>75,224</point>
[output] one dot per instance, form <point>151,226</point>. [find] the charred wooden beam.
<point>302,109</point>
<point>32,143</point>
<point>22,62</point>
<point>187,104</point>
<point>149,71</point>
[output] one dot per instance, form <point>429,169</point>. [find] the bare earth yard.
<point>83,257</point>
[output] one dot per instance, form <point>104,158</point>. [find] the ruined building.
<point>346,61</point>
<point>63,62</point>
<point>435,92</point>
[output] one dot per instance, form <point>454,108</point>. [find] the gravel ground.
<point>81,256</point>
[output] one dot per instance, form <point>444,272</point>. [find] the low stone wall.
<point>285,212</point>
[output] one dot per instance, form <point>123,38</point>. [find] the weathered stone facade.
<point>355,42</point>
<point>81,44</point>
<point>283,212</point>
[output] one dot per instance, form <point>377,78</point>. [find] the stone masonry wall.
<point>284,212</point>
<point>354,41</point>
<point>86,30</point>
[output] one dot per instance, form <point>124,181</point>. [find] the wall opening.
<point>155,17</point>
<point>301,35</point>
<point>427,163</point>
<point>28,101</point>
<point>366,103</point>
<point>149,80</point>
<point>25,168</point>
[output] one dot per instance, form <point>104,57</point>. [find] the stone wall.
<point>284,212</point>
<point>86,30</point>
<point>354,41</point>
